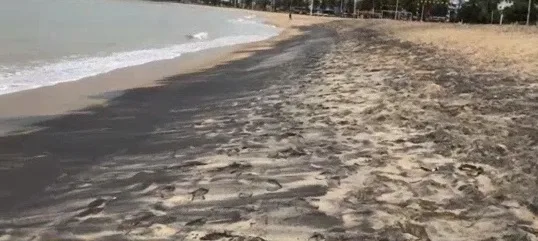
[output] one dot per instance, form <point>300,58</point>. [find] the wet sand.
<point>343,133</point>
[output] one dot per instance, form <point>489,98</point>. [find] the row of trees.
<point>487,11</point>
<point>467,11</point>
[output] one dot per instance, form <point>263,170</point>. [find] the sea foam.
<point>198,36</point>
<point>14,79</point>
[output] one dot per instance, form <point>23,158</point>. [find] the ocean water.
<point>45,42</point>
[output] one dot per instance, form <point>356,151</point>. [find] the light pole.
<point>501,6</point>
<point>355,8</point>
<point>311,7</point>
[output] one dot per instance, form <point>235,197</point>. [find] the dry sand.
<point>508,48</point>
<point>355,135</point>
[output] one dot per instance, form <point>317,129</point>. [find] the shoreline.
<point>47,102</point>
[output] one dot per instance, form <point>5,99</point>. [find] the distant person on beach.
<point>290,15</point>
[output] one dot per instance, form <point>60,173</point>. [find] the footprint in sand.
<point>234,167</point>
<point>316,237</point>
<point>245,194</point>
<point>334,181</point>
<point>196,222</point>
<point>94,207</point>
<point>199,194</point>
<point>471,170</point>
<point>274,185</point>
<point>166,191</point>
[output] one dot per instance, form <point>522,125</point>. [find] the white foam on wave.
<point>13,79</point>
<point>243,21</point>
<point>249,19</point>
<point>199,36</point>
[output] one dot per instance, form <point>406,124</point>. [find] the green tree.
<point>478,11</point>
<point>518,12</point>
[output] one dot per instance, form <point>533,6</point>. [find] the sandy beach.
<point>335,130</point>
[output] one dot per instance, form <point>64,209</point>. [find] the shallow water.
<point>45,42</point>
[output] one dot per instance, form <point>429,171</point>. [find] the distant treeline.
<point>486,11</point>
<point>467,11</point>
